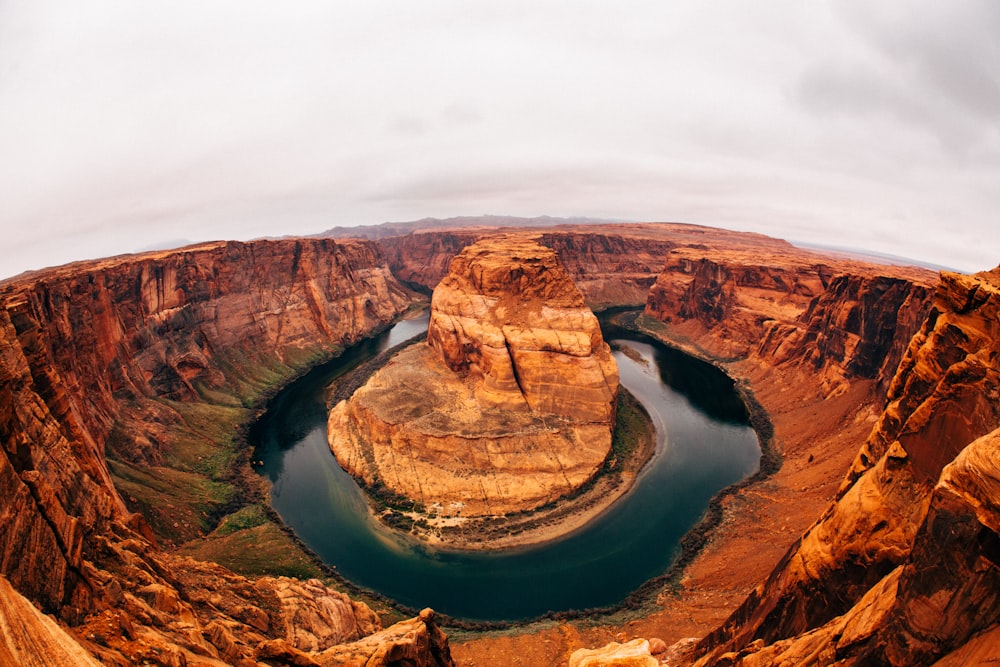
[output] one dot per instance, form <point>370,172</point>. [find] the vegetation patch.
<point>205,442</point>
<point>245,518</point>
<point>259,549</point>
<point>178,505</point>
<point>632,441</point>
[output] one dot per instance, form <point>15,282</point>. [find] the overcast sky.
<point>129,124</point>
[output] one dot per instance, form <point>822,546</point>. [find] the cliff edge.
<point>903,568</point>
<point>116,374</point>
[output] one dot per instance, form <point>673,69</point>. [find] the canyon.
<point>125,381</point>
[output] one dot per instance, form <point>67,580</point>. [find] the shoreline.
<point>570,514</point>
<point>563,516</point>
<point>553,521</point>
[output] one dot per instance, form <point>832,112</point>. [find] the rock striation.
<point>113,357</point>
<point>511,404</point>
<point>612,266</point>
<point>903,567</point>
<point>780,306</point>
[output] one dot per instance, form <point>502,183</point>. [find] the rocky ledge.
<point>510,405</point>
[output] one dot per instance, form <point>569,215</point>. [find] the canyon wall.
<point>125,367</point>
<point>117,355</point>
<point>903,567</point>
<point>782,306</point>
<point>612,265</point>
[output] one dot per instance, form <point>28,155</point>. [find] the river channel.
<point>703,444</point>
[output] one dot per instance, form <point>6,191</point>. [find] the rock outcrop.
<point>903,568</point>
<point>630,654</point>
<point>29,638</point>
<point>510,406</point>
<point>778,305</point>
<point>115,356</point>
<point>612,265</point>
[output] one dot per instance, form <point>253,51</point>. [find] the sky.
<point>131,125</point>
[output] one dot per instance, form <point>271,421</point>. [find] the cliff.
<point>612,265</point>
<point>122,381</point>
<point>781,306</point>
<point>902,568</point>
<point>510,407</point>
<point>121,355</point>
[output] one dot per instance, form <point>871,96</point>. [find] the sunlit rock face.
<point>508,314</point>
<point>510,405</point>
<point>903,568</point>
<point>117,346</point>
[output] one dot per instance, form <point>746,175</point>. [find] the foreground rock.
<point>510,406</point>
<point>903,568</point>
<point>113,357</point>
<point>630,654</point>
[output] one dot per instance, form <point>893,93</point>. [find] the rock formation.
<point>630,654</point>
<point>903,568</point>
<point>512,404</point>
<point>785,306</point>
<point>142,360</point>
<point>114,355</point>
<point>612,266</point>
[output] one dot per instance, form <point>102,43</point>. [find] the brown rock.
<point>510,407</point>
<point>91,356</point>
<point>29,638</point>
<point>417,642</point>
<point>635,653</point>
<point>900,571</point>
<point>657,646</point>
<point>610,269</point>
<point>783,306</point>
<point>316,617</point>
<point>949,589</point>
<point>508,315</point>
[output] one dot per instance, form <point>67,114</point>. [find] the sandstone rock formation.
<point>111,355</point>
<point>630,654</point>
<point>512,404</point>
<point>29,638</point>
<point>785,306</point>
<point>114,357</point>
<point>902,569</point>
<point>612,266</point>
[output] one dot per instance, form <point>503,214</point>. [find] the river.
<point>704,443</point>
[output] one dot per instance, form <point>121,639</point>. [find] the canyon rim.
<point>125,379</point>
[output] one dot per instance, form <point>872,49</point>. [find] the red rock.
<point>512,409</point>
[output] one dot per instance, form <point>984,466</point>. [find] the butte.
<point>508,406</point>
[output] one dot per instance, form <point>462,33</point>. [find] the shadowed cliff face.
<point>783,307</point>
<point>902,569</point>
<point>611,269</point>
<point>119,353</point>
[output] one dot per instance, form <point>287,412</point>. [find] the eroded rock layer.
<point>115,356</point>
<point>903,568</point>
<point>510,405</point>
<point>781,305</point>
<point>613,265</point>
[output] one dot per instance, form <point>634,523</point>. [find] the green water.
<point>703,445</point>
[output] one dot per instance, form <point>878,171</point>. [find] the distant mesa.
<point>510,405</point>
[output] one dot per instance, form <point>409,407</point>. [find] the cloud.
<point>126,125</point>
